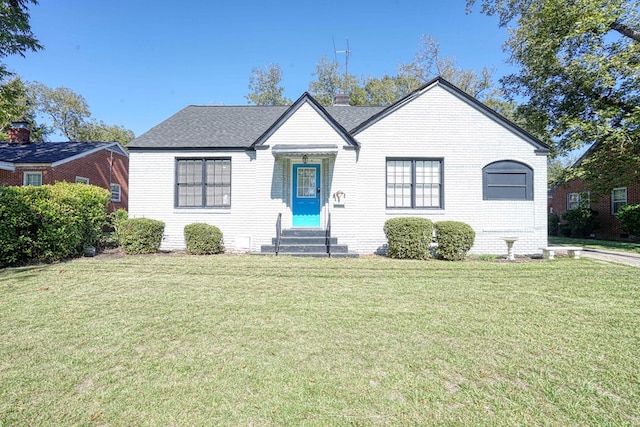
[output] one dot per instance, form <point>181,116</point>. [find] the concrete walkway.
<point>610,256</point>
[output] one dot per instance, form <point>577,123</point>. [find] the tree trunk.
<point>626,30</point>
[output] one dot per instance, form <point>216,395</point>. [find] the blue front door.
<point>306,196</point>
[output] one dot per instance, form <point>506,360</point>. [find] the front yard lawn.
<point>272,341</point>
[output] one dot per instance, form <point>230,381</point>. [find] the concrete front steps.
<point>310,242</point>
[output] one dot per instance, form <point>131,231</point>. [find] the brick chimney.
<point>19,133</point>
<point>341,99</point>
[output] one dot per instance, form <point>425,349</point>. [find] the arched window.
<point>507,180</point>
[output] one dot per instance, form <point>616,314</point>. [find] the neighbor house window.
<point>203,183</point>
<point>82,180</point>
<point>33,178</point>
<point>507,180</point>
<point>578,200</point>
<point>414,183</point>
<point>115,192</point>
<point>618,199</point>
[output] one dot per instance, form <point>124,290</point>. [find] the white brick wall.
<point>440,125</point>
<point>437,124</point>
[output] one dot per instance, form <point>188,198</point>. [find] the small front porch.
<point>310,242</point>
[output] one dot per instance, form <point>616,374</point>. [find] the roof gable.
<point>305,99</point>
<point>460,94</point>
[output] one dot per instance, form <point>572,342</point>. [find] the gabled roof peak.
<point>306,98</point>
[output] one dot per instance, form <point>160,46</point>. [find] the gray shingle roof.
<point>47,152</point>
<point>230,126</point>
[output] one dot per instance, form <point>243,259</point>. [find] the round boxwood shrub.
<point>629,216</point>
<point>455,239</point>
<point>408,238</point>
<point>203,239</point>
<point>140,235</point>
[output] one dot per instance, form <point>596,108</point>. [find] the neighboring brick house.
<point>568,196</point>
<point>104,164</point>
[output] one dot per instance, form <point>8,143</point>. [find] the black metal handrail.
<point>328,234</point>
<point>278,233</point>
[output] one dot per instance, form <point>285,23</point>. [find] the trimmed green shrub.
<point>140,235</point>
<point>581,221</point>
<point>49,222</point>
<point>109,237</point>
<point>629,217</point>
<point>455,239</point>
<point>18,222</point>
<point>408,238</point>
<point>89,204</point>
<point>203,239</point>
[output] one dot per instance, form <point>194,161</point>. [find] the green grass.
<point>609,245</point>
<point>275,341</point>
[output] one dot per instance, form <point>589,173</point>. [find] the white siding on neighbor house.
<point>438,124</point>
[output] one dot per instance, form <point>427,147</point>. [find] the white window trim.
<point>613,201</point>
<point>82,180</point>
<point>226,198</point>
<point>582,195</point>
<point>119,198</point>
<point>25,181</point>
<point>414,182</point>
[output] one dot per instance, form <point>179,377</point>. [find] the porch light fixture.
<point>305,159</point>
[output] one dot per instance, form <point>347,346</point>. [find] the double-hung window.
<point>618,199</point>
<point>203,183</point>
<point>115,192</point>
<point>414,183</point>
<point>33,178</point>
<point>578,200</point>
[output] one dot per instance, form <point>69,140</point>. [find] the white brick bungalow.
<point>437,153</point>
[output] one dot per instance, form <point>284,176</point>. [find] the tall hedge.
<point>49,222</point>
<point>409,237</point>
<point>454,239</point>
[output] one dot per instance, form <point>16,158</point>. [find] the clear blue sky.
<point>137,62</point>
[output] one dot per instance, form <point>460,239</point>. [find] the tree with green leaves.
<point>330,81</point>
<point>98,131</point>
<point>69,114</point>
<point>16,105</point>
<point>580,79</point>
<point>265,86</point>
<point>388,89</point>
<point>16,37</point>
<point>66,109</point>
<point>429,63</point>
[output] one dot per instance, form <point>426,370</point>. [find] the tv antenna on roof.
<point>346,56</point>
